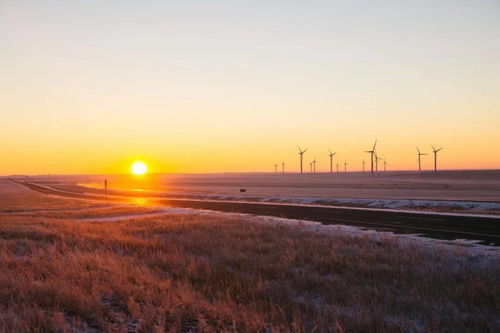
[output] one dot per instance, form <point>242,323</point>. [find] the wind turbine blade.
<point>433,148</point>
<point>439,149</point>
<point>329,150</point>
<point>418,150</point>
<point>375,144</point>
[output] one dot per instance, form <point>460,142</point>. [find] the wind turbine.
<point>419,159</point>
<point>345,166</point>
<point>301,153</point>
<point>376,161</point>
<point>372,153</point>
<point>276,168</point>
<point>314,165</point>
<point>363,166</point>
<point>331,160</point>
<point>337,166</point>
<point>311,165</point>
<point>283,167</point>
<point>435,151</point>
<point>385,164</point>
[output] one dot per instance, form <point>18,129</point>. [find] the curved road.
<point>485,229</point>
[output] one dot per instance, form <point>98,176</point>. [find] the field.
<point>454,191</point>
<point>63,269</point>
<point>473,185</point>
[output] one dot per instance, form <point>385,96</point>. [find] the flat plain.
<point>82,265</point>
<point>473,185</point>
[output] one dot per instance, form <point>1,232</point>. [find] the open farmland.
<point>209,272</point>
<point>456,191</point>
<point>465,185</point>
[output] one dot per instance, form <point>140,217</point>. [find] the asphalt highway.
<point>485,229</point>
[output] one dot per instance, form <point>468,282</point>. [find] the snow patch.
<point>352,202</point>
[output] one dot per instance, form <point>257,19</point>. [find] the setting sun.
<point>167,153</point>
<point>139,168</point>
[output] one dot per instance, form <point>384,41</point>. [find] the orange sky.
<point>195,87</point>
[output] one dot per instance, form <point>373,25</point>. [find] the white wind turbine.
<point>301,153</point>
<point>376,161</point>
<point>435,151</point>
<point>372,153</point>
<point>331,160</point>
<point>419,159</point>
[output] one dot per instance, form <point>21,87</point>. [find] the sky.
<point>89,86</point>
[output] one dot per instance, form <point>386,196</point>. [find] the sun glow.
<point>139,168</point>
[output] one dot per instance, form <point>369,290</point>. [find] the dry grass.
<point>204,273</point>
<point>89,213</point>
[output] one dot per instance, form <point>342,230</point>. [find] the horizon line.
<point>242,172</point>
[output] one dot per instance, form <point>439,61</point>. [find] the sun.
<point>139,168</point>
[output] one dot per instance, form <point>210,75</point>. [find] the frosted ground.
<point>83,265</point>
<point>472,191</point>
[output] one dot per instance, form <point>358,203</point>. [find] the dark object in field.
<point>243,190</point>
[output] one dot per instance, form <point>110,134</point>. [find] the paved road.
<point>439,226</point>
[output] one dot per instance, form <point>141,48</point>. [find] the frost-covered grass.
<point>216,272</point>
<point>451,206</point>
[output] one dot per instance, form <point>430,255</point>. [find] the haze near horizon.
<point>234,86</point>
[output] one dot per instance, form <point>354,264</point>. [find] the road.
<point>434,225</point>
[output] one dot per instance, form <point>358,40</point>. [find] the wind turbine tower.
<point>372,153</point>
<point>435,151</point>
<point>314,165</point>
<point>419,159</point>
<point>376,160</point>
<point>301,153</point>
<point>331,160</point>
<point>345,166</point>
<point>276,168</point>
<point>363,166</point>
<point>283,167</point>
<point>385,164</point>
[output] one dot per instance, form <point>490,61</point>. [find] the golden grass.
<point>210,273</point>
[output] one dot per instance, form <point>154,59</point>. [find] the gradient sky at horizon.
<point>217,86</point>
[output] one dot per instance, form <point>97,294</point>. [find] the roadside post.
<point>106,188</point>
